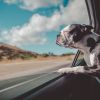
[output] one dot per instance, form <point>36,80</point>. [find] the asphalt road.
<point>27,71</point>
<point>13,70</point>
<point>19,84</point>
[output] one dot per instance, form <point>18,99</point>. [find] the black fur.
<point>91,43</point>
<point>79,31</point>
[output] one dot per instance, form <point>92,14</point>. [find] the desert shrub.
<point>67,54</point>
<point>51,54</point>
<point>25,56</point>
<point>45,55</point>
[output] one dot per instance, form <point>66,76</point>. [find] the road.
<point>23,77</point>
<point>16,73</point>
<point>12,70</point>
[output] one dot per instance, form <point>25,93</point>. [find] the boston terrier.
<point>83,38</point>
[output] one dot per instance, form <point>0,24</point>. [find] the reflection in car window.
<point>28,30</point>
<point>80,60</point>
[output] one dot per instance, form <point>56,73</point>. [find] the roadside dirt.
<point>17,68</point>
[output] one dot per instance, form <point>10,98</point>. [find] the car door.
<point>93,7</point>
<point>70,86</point>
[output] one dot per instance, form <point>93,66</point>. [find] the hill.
<point>9,52</point>
<point>12,52</point>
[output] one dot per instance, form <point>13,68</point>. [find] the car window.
<point>79,60</point>
<point>28,31</point>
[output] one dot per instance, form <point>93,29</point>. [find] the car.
<point>56,86</point>
<point>70,86</point>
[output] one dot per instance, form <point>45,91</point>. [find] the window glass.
<point>80,60</point>
<point>28,31</point>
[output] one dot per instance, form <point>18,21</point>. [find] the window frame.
<point>34,89</point>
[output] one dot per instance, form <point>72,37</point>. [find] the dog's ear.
<point>87,28</point>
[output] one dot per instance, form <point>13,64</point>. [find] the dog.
<point>83,38</point>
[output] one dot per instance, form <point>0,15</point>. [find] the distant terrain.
<point>16,62</point>
<point>12,52</point>
<point>9,52</point>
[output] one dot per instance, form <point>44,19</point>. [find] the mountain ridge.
<point>8,51</point>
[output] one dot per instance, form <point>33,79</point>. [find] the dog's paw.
<point>65,70</point>
<point>75,70</point>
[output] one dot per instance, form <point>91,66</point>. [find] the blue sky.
<point>34,24</point>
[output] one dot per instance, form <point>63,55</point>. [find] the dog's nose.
<point>58,36</point>
<point>57,42</point>
<point>58,39</point>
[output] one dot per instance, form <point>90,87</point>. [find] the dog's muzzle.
<point>61,41</point>
<point>58,40</point>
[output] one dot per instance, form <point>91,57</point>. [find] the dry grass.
<point>56,58</point>
<point>19,67</point>
<point>40,58</point>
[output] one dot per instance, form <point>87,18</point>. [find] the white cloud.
<point>33,4</point>
<point>75,12</point>
<point>23,36</point>
<point>33,32</point>
<point>10,1</point>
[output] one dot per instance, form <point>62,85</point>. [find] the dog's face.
<point>72,34</point>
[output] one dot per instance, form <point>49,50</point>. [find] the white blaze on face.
<point>65,30</point>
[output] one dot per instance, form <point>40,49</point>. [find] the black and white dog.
<point>81,37</point>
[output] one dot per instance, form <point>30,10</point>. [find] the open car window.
<point>79,59</point>
<point>29,55</point>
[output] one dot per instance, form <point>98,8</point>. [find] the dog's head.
<point>72,34</point>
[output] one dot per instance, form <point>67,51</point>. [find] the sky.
<point>34,24</point>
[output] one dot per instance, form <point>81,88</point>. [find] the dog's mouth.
<point>60,41</point>
<point>63,44</point>
<point>57,42</point>
<point>66,46</point>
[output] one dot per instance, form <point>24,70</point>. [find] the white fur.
<point>87,58</point>
<point>78,69</point>
<point>92,59</point>
<point>66,28</point>
<point>63,31</point>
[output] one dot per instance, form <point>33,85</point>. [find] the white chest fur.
<point>92,59</point>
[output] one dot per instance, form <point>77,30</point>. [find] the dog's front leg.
<point>78,69</point>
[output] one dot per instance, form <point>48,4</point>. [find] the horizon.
<point>35,51</point>
<point>33,25</point>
